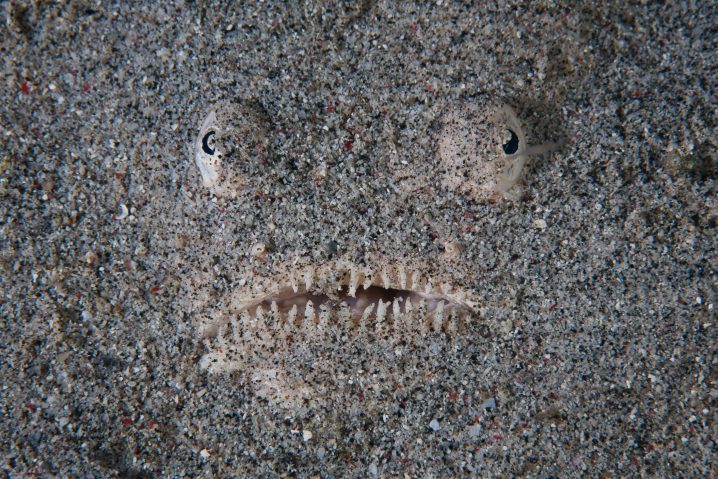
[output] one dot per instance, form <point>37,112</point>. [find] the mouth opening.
<point>375,303</point>
<point>353,296</point>
<point>339,299</point>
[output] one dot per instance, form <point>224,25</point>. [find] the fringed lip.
<point>358,292</point>
<point>339,298</point>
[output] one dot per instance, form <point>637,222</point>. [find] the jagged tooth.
<point>415,277</point>
<point>319,277</point>
<point>422,319</point>
<point>261,321</point>
<point>381,311</point>
<point>220,336</point>
<point>308,278</point>
<point>368,275</point>
<point>398,319</point>
<point>270,321</point>
<point>246,323</point>
<point>385,279</point>
<point>367,312</point>
<point>353,281</point>
<point>438,316</point>
<point>292,317</point>
<point>422,307</point>
<point>236,328</point>
<point>330,281</point>
<point>423,283</point>
<point>344,278</point>
<point>324,316</point>
<point>421,315</point>
<point>276,315</point>
<point>408,307</point>
<point>293,281</point>
<point>308,315</point>
<point>345,315</point>
<point>402,276</point>
<point>395,309</point>
<point>452,323</point>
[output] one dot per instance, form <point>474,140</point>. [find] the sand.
<point>593,346</point>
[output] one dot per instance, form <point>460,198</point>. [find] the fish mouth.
<point>353,295</point>
<point>338,298</point>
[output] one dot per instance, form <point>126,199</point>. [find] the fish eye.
<point>205,143</point>
<point>511,146</point>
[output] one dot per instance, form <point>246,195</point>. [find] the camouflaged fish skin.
<point>283,311</point>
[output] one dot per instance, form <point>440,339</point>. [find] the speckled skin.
<point>474,157</point>
<point>594,351</point>
<point>232,140</point>
<point>471,149</point>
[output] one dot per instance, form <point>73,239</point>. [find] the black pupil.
<point>205,143</point>
<point>511,146</point>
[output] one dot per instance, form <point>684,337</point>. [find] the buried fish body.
<point>289,308</point>
<point>281,320</point>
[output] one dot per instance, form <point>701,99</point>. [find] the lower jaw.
<point>338,298</point>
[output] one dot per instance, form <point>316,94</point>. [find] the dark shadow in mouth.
<point>364,301</point>
<point>314,307</point>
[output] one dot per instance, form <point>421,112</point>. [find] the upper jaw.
<point>345,294</point>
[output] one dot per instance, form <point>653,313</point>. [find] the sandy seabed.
<point>593,346</point>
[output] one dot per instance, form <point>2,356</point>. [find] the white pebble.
<point>434,425</point>
<point>489,403</point>
<point>124,213</point>
<point>258,250</point>
<point>307,435</point>
<point>540,224</point>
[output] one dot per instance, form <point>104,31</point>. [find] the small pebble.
<point>259,250</point>
<point>434,425</point>
<point>489,404</point>
<point>124,212</point>
<point>540,224</point>
<point>91,258</point>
